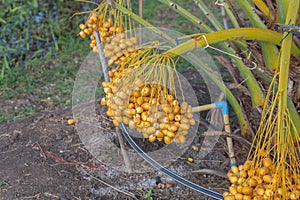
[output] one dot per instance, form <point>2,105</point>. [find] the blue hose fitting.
<point>232,164</point>
<point>297,34</point>
<point>224,106</point>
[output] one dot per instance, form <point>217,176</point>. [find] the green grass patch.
<point>49,79</point>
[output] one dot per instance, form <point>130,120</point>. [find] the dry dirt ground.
<point>42,157</point>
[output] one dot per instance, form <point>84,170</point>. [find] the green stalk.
<point>294,116</point>
<point>228,4</point>
<point>233,34</point>
<point>264,8</point>
<point>298,92</point>
<point>183,12</point>
<point>270,51</point>
<point>211,17</point>
<point>242,44</point>
<point>142,21</point>
<point>230,14</point>
<point>282,6</point>
<point>257,97</point>
<point>282,125</point>
<point>284,71</point>
<point>217,25</point>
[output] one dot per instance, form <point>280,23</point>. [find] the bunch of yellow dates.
<point>97,22</point>
<point>258,184</point>
<point>117,46</point>
<point>147,107</point>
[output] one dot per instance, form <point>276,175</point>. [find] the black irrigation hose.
<point>144,155</point>
<point>166,171</point>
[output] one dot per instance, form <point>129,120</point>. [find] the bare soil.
<point>42,157</point>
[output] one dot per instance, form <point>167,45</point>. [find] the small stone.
<point>58,136</point>
<point>160,186</point>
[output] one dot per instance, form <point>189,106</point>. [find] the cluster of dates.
<point>259,183</point>
<point>147,107</point>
